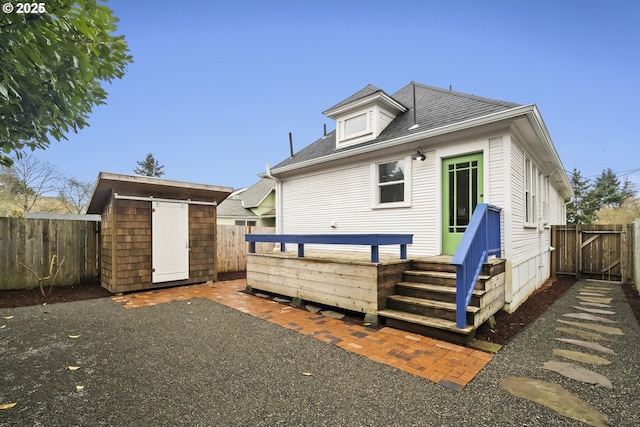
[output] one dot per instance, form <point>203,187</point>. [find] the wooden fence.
<point>28,248</point>
<point>594,251</point>
<point>232,248</point>
<point>66,250</point>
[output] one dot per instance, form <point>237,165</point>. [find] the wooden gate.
<point>593,251</point>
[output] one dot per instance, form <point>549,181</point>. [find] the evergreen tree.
<point>149,167</point>
<point>606,193</point>
<point>579,211</point>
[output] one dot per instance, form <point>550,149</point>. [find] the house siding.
<point>340,200</point>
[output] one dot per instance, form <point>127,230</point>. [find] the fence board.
<point>232,249</point>
<point>594,251</point>
<point>33,243</point>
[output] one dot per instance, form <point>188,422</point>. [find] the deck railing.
<point>373,240</point>
<point>479,241</point>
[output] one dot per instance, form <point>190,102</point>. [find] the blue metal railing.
<point>481,239</point>
<point>373,240</point>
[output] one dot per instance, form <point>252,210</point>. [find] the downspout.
<point>278,198</point>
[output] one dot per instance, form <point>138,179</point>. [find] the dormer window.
<point>356,126</point>
<point>363,116</point>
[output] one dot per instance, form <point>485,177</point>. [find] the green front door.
<point>462,190</point>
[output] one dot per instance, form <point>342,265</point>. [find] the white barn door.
<point>170,237</point>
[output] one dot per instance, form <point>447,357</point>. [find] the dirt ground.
<point>507,325</point>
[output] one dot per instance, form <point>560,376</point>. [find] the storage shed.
<point>155,232</point>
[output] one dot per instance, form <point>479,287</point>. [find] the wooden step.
<point>428,265</point>
<point>430,308</point>
<point>439,278</point>
<point>435,292</point>
<point>428,326</point>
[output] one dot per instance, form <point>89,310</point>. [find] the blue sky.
<point>216,86</point>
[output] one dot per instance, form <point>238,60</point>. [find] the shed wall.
<point>126,246</point>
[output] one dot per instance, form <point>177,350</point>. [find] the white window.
<point>530,178</point>
<point>392,179</point>
<point>355,125</point>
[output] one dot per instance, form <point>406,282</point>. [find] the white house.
<point>419,161</point>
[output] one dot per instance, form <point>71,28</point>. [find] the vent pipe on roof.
<point>325,131</point>
<point>291,145</point>
<point>415,118</point>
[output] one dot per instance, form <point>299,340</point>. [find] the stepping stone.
<point>555,398</point>
<point>282,300</point>
<point>595,304</point>
<point>582,334</point>
<point>312,308</point>
<point>587,316</point>
<point>332,314</point>
<point>581,357</point>
<point>587,344</point>
<point>602,300</point>
<point>578,373</point>
<point>600,328</point>
<point>592,294</point>
<point>594,310</point>
<point>596,289</point>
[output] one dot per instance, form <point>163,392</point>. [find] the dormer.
<point>363,116</point>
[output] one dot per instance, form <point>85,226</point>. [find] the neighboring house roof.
<point>253,196</point>
<point>240,203</point>
<point>437,112</point>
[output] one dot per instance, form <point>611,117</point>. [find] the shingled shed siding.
<point>106,250</point>
<point>133,242</point>
<point>202,241</point>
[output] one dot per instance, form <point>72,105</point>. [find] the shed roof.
<point>144,186</point>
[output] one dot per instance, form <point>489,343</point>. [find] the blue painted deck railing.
<point>481,239</point>
<point>373,240</point>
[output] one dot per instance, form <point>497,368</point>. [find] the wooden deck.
<point>342,279</point>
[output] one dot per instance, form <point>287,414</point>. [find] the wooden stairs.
<point>425,300</point>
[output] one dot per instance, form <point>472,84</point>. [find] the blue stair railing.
<point>479,241</point>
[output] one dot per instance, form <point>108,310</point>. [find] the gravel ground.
<point>202,364</point>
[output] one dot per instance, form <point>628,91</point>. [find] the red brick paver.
<point>450,365</point>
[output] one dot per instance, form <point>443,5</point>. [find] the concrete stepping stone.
<point>312,308</point>
<point>592,294</point>
<point>578,356</point>
<point>594,310</point>
<point>595,304</point>
<point>582,334</point>
<point>587,344</point>
<point>332,314</point>
<point>595,289</point>
<point>594,327</point>
<point>602,300</point>
<point>587,316</point>
<point>578,373</point>
<point>555,398</point>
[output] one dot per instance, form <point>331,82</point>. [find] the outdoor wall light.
<point>419,155</point>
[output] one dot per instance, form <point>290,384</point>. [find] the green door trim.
<point>462,190</point>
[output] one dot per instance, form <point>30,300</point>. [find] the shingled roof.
<point>240,203</point>
<point>435,108</point>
